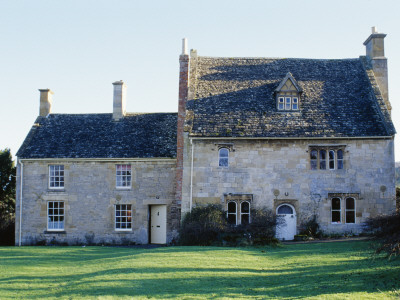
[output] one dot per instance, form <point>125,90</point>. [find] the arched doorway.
<point>286,228</point>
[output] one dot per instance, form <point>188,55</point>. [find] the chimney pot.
<point>185,46</point>
<point>46,99</point>
<point>119,100</point>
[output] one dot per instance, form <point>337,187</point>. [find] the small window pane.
<point>288,103</point>
<point>340,159</point>
<point>285,210</point>
<point>232,219</point>
<point>350,217</point>
<point>245,219</point>
<point>313,159</point>
<point>281,103</point>
<point>336,203</point>
<point>295,104</point>
<point>322,159</point>
<point>335,216</point>
<point>331,159</point>
<point>349,203</point>
<point>231,207</point>
<point>245,207</point>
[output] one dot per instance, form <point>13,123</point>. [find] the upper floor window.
<point>288,103</point>
<point>123,176</point>
<point>288,94</point>
<point>56,176</point>
<point>325,157</point>
<point>223,157</point>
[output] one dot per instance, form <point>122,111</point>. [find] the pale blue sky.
<point>78,48</point>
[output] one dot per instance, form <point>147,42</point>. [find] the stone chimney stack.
<point>46,99</point>
<point>119,100</point>
<point>376,54</point>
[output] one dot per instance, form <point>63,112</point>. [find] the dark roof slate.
<point>234,97</point>
<point>148,135</point>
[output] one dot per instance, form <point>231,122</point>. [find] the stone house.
<point>302,137</point>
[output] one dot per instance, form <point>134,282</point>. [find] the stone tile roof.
<point>149,135</point>
<point>234,97</point>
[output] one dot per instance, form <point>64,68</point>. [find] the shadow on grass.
<point>361,274</point>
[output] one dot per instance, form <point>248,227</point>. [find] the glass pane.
<point>313,165</point>
<point>349,203</point>
<point>340,164</point>
<point>245,219</point>
<point>313,154</point>
<point>231,207</point>
<point>322,154</point>
<point>336,204</point>
<point>232,219</point>
<point>350,217</point>
<point>285,210</point>
<point>340,154</point>
<point>223,162</point>
<point>245,207</point>
<point>223,152</point>
<point>335,216</point>
<point>322,164</point>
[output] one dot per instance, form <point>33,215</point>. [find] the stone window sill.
<point>54,232</point>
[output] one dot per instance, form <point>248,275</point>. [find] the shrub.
<point>202,225</point>
<point>386,230</point>
<point>7,231</point>
<point>310,228</point>
<point>207,225</point>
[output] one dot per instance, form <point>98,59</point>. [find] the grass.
<point>345,270</point>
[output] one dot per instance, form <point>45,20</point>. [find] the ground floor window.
<point>55,215</point>
<point>238,212</point>
<point>123,217</point>
<point>343,208</point>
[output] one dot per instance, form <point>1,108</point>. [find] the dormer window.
<point>288,94</point>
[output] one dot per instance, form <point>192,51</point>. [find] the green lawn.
<point>344,270</point>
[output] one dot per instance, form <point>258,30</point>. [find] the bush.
<point>7,231</point>
<point>202,225</point>
<point>207,225</point>
<point>386,230</point>
<point>310,228</point>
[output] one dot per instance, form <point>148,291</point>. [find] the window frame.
<point>287,103</point>
<point>52,177</point>
<point>129,217</point>
<point>55,215</point>
<point>336,210</point>
<point>246,213</point>
<point>350,210</point>
<point>326,163</point>
<point>238,211</point>
<point>229,213</point>
<point>122,176</point>
<point>220,158</point>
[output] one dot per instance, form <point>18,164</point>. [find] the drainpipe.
<point>191,177</point>
<point>21,176</point>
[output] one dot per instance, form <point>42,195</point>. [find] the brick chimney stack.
<point>375,51</point>
<point>183,95</point>
<point>46,99</point>
<point>119,100</point>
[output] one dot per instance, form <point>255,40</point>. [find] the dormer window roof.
<point>288,94</point>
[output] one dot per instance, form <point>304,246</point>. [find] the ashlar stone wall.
<point>90,196</point>
<point>279,171</point>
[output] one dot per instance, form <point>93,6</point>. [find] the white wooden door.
<point>286,228</point>
<point>158,224</point>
